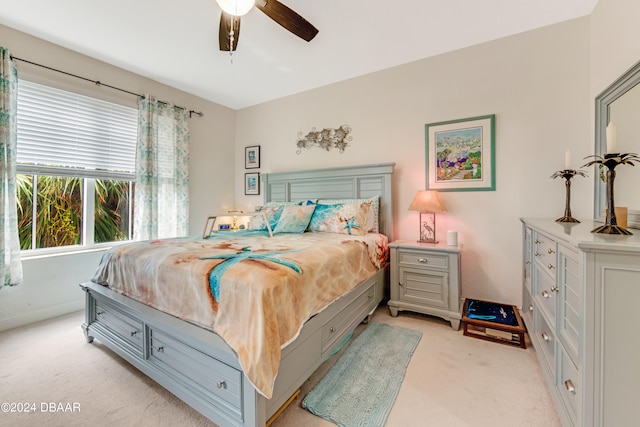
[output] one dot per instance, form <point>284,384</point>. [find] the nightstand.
<point>425,278</point>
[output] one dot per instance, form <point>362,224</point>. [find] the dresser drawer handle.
<point>332,329</point>
<point>160,349</point>
<point>569,386</point>
<point>400,283</point>
<point>527,262</point>
<point>551,266</point>
<point>133,333</point>
<point>422,260</point>
<point>536,254</point>
<point>530,307</point>
<point>99,313</point>
<point>221,384</point>
<point>544,294</point>
<point>537,242</point>
<point>551,251</point>
<point>555,288</point>
<point>545,336</point>
<point>370,296</point>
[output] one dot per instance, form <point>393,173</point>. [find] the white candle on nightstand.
<point>611,138</point>
<point>567,159</point>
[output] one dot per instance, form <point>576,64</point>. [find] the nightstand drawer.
<point>422,259</point>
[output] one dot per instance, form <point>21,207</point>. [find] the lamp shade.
<point>427,201</point>
<point>236,7</point>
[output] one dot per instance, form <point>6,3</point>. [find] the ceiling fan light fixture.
<point>236,7</point>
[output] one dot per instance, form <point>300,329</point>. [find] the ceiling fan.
<point>232,10</point>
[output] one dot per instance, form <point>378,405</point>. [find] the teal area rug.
<point>362,386</point>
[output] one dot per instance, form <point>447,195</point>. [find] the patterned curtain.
<point>10,265</point>
<point>161,201</point>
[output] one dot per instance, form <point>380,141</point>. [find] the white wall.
<point>50,285</point>
<point>537,85</point>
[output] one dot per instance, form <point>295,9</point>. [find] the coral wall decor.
<point>326,138</point>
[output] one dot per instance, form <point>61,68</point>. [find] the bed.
<point>198,365</point>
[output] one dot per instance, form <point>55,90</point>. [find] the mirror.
<point>620,104</point>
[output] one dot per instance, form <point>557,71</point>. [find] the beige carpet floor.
<point>452,380</point>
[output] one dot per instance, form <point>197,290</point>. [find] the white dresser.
<point>580,295</point>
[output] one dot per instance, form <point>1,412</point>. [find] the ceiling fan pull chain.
<point>231,37</point>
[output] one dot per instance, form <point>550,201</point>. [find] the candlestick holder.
<point>567,174</point>
<point>610,161</point>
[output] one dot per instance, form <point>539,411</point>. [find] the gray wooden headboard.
<point>354,182</point>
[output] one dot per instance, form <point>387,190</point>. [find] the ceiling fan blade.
<point>288,19</point>
<point>227,22</point>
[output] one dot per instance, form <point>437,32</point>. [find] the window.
<point>76,168</point>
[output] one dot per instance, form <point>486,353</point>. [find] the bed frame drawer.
<point>217,382</point>
<point>336,329</point>
<point>126,329</point>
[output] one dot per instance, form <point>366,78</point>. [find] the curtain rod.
<point>99,83</point>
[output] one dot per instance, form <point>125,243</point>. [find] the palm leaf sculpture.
<point>610,161</point>
<point>567,174</point>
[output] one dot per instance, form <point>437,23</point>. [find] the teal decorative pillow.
<point>342,218</point>
<point>273,213</point>
<point>373,219</point>
<point>294,219</point>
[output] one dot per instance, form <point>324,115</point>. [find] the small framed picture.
<point>252,183</point>
<point>252,157</point>
<point>208,226</point>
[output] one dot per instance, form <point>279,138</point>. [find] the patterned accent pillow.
<point>294,219</point>
<point>373,219</point>
<point>273,215</point>
<point>342,218</point>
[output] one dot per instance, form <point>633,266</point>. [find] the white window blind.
<point>64,133</point>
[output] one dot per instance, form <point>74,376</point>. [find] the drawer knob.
<point>527,262</point>
<point>99,313</point>
<point>537,242</point>
<point>332,329</point>
<point>530,307</point>
<point>545,336</point>
<point>422,260</point>
<point>221,384</point>
<point>160,350</point>
<point>133,333</point>
<point>544,294</point>
<point>569,386</point>
<point>400,283</point>
<point>555,288</point>
<point>551,251</point>
<point>536,253</point>
<point>551,266</point>
<point>370,296</point>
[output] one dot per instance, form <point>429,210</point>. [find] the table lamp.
<point>427,202</point>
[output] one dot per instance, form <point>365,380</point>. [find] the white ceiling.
<point>176,42</point>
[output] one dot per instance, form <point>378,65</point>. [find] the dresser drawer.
<point>544,252</point>
<point>125,328</point>
<point>545,293</point>
<point>214,381</point>
<point>546,341</point>
<point>336,329</point>
<point>422,259</point>
<point>570,386</point>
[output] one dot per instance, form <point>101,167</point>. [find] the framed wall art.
<point>252,183</point>
<point>461,154</point>
<point>252,157</point>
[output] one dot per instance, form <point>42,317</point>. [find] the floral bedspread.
<point>254,291</point>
